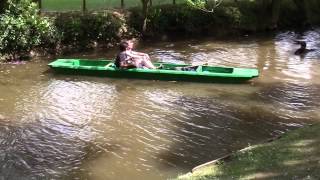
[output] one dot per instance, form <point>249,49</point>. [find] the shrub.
<point>184,19</point>
<point>23,29</point>
<point>229,17</point>
<point>80,30</point>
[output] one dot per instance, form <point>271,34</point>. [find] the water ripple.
<point>74,127</point>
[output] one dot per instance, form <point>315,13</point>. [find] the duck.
<point>302,50</point>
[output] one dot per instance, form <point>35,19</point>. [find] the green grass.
<point>295,156</point>
<point>74,5</point>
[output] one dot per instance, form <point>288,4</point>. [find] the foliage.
<point>184,19</point>
<point>204,5</point>
<point>84,30</point>
<point>228,17</point>
<point>313,11</point>
<point>23,29</point>
<point>260,15</point>
<point>250,17</point>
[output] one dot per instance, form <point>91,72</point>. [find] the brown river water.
<point>77,127</point>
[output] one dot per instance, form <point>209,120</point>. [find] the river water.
<point>76,127</point>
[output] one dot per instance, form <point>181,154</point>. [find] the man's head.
<point>130,44</point>
<point>123,46</point>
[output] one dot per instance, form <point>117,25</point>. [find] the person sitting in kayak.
<point>130,59</point>
<point>142,59</point>
<point>122,59</point>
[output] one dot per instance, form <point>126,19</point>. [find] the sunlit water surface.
<point>78,127</point>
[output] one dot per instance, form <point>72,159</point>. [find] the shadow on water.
<point>214,125</point>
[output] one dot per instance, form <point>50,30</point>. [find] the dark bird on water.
<point>302,50</point>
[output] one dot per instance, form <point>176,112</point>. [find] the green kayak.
<point>167,71</point>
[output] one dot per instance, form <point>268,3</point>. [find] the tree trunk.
<point>40,4</point>
<point>84,6</point>
<point>122,4</point>
<point>276,4</point>
<point>145,8</point>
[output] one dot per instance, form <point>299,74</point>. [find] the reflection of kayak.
<point>168,71</point>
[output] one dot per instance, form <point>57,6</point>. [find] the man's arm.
<point>138,53</point>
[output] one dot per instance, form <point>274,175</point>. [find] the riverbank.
<point>60,32</point>
<point>296,155</point>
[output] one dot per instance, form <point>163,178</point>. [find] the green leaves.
<point>86,30</point>
<point>197,3</point>
<point>204,5</point>
<point>22,29</point>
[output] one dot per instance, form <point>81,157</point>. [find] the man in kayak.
<point>127,58</point>
<point>122,59</point>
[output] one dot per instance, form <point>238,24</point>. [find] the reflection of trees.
<point>58,135</point>
<point>124,101</point>
<point>266,57</point>
<point>35,151</point>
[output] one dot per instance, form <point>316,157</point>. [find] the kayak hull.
<point>105,68</point>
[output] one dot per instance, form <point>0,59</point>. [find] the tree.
<point>145,9</point>
<point>23,29</point>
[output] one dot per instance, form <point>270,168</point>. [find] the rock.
<point>2,117</point>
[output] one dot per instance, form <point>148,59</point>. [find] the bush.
<point>80,30</point>
<point>229,17</point>
<point>23,29</point>
<point>185,20</point>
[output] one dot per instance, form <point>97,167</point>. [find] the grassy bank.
<point>67,5</point>
<point>295,156</point>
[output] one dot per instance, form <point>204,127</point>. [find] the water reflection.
<point>296,98</point>
<point>298,67</point>
<point>69,127</point>
<point>38,151</point>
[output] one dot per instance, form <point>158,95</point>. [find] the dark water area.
<point>77,127</point>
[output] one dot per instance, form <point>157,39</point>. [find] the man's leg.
<point>147,62</point>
